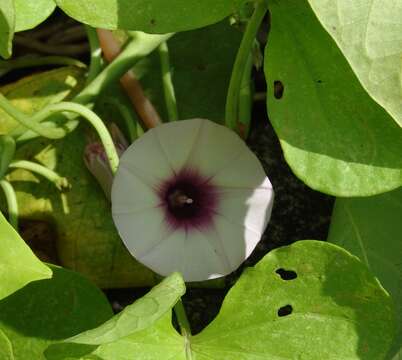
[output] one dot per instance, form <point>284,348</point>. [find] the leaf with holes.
<point>18,265</point>
<point>369,35</point>
<point>371,228</point>
<point>334,136</point>
<point>29,14</point>
<point>47,311</point>
<point>152,16</point>
<point>7,26</point>
<point>312,299</point>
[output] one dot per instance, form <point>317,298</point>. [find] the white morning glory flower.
<point>189,196</point>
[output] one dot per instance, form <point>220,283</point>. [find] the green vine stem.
<point>141,46</point>
<point>168,88</point>
<point>60,182</point>
<point>245,99</point>
<point>95,121</point>
<point>7,151</point>
<point>184,325</point>
<point>12,205</point>
<point>232,100</point>
<point>34,123</point>
<point>96,62</point>
<point>126,115</point>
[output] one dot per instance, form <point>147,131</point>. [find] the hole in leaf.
<point>286,274</point>
<point>278,89</point>
<point>285,310</point>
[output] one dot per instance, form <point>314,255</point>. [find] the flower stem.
<point>245,99</point>
<point>126,115</point>
<point>232,100</point>
<point>12,204</point>
<point>7,151</point>
<point>60,182</point>
<point>168,88</point>
<point>182,318</point>
<point>96,63</point>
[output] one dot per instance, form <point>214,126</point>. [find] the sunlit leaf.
<point>369,35</point>
<point>152,16</point>
<point>334,136</point>
<point>311,299</point>
<point>28,14</point>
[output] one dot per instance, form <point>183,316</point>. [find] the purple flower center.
<point>189,200</point>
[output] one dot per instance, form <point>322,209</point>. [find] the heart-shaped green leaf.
<point>369,35</point>
<point>7,26</point>
<point>334,136</point>
<point>311,300</point>
<point>28,14</point>
<point>152,16</point>
<point>47,311</point>
<point>371,228</point>
<point>18,265</point>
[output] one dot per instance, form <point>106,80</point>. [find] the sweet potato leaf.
<point>371,229</point>
<point>152,16</point>
<point>369,35</point>
<point>312,299</point>
<point>47,311</point>
<point>334,136</point>
<point>18,265</point>
<point>29,14</point>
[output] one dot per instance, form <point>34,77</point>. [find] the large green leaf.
<point>371,228</point>
<point>369,35</point>
<point>200,73</point>
<point>7,25</point>
<point>139,315</point>
<point>47,311</point>
<point>28,14</point>
<point>338,309</point>
<point>152,16</point>
<point>334,136</point>
<point>18,265</point>
<point>311,300</point>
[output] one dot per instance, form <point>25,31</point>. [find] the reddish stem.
<point>144,108</point>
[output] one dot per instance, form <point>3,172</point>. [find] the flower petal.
<point>147,160</point>
<point>214,148</point>
<point>138,195</point>
<point>141,231</point>
<point>250,209</point>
